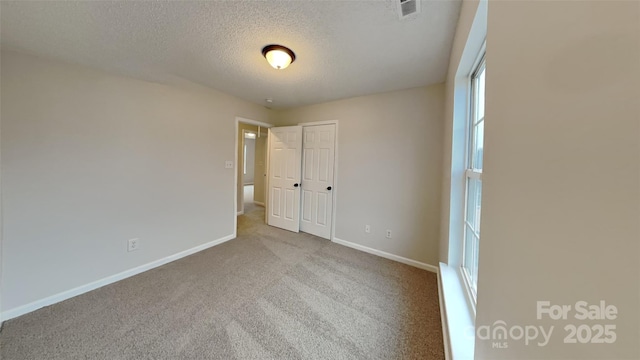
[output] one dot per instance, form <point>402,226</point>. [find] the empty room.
<point>316,179</point>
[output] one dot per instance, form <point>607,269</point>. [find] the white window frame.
<point>470,281</point>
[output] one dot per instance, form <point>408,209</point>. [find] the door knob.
<point>328,187</point>
<point>295,185</point>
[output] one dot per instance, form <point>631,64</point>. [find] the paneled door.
<point>318,148</point>
<point>285,150</point>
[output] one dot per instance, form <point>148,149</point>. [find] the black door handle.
<point>295,185</point>
<point>328,187</point>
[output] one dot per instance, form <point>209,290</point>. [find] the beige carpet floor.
<point>268,294</point>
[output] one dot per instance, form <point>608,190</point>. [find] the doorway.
<point>251,160</point>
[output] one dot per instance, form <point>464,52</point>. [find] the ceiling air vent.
<point>408,7</point>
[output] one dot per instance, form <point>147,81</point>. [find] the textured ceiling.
<point>343,48</point>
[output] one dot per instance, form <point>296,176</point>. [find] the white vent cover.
<point>408,7</point>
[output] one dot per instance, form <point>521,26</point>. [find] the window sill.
<point>457,316</point>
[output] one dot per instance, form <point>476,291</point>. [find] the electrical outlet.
<point>133,244</point>
<point>388,234</point>
<point>367,229</point>
<point>228,164</point>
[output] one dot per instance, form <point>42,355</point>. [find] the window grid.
<point>473,178</point>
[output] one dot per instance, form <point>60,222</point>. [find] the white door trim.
<point>314,123</point>
<point>252,122</point>
<point>336,188</point>
<point>235,167</point>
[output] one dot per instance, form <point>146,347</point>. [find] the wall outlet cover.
<point>133,244</point>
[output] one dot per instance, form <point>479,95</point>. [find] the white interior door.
<point>317,180</point>
<point>285,152</point>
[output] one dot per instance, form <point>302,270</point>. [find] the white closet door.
<point>317,179</point>
<point>285,150</point>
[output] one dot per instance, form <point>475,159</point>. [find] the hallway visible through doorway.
<point>251,159</point>
<point>248,199</point>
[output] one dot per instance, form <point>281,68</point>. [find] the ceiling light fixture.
<point>278,56</point>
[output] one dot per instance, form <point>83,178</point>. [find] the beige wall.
<point>90,160</point>
<point>389,168</point>
<point>1,228</point>
<point>561,197</point>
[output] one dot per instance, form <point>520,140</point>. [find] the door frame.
<point>236,213</point>
<point>336,188</point>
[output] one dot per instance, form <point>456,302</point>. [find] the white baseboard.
<point>240,213</point>
<point>50,300</point>
<point>259,203</point>
<point>386,255</point>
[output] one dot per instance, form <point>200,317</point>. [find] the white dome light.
<point>278,56</point>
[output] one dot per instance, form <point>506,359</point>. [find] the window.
<point>473,177</point>
<point>244,159</point>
